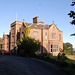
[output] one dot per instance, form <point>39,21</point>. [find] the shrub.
<point>28,46</point>
<point>61,56</point>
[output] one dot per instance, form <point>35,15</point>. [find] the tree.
<point>28,46</point>
<point>65,48</point>
<point>72,14</point>
<point>68,48</point>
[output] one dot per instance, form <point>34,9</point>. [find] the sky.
<point>47,10</point>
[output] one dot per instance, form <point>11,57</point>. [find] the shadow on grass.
<point>64,63</point>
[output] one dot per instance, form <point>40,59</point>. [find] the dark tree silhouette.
<point>28,46</point>
<point>72,15</point>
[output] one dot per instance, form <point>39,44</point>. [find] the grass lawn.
<point>71,57</point>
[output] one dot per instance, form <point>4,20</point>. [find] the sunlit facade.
<point>50,36</point>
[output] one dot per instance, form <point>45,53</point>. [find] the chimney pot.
<point>35,19</point>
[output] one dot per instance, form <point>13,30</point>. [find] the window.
<point>53,28</point>
<point>46,35</point>
<point>53,36</point>
<point>51,48</point>
<point>18,35</point>
<point>59,37</point>
<point>55,48</point>
<point>35,35</point>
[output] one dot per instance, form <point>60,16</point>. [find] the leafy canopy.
<point>68,48</point>
<point>72,14</point>
<point>28,46</point>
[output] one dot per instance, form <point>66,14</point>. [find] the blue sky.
<point>47,10</point>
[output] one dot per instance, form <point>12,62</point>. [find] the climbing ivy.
<point>27,31</point>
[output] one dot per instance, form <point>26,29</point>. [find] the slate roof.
<point>39,26</point>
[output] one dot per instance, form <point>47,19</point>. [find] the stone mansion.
<point>50,36</point>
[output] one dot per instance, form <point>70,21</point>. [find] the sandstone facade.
<point>50,36</point>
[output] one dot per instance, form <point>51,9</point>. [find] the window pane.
<point>51,46</point>
<point>51,50</point>
<point>54,46</point>
<point>35,35</point>
<point>53,27</point>
<point>53,36</point>
<point>57,46</point>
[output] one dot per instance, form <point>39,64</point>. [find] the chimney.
<point>35,19</point>
<point>41,22</point>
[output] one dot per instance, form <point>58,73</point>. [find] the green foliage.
<point>28,46</point>
<point>27,32</point>
<point>68,48</point>
<point>65,48</point>
<point>72,14</point>
<point>61,57</point>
